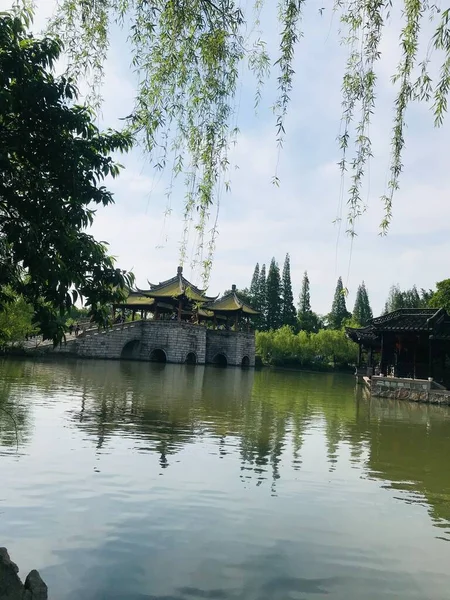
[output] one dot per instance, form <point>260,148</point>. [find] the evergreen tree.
<point>254,286</point>
<point>411,298</point>
<point>307,319</point>
<point>339,309</point>
<point>273,319</point>
<point>362,311</point>
<point>261,303</point>
<point>405,299</point>
<point>305,296</point>
<point>395,299</point>
<point>288,312</point>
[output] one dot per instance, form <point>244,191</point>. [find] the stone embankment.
<point>12,588</point>
<point>413,390</point>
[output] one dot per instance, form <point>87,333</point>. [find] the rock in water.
<point>11,588</point>
<point>35,588</point>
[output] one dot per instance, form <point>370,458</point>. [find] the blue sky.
<point>258,220</point>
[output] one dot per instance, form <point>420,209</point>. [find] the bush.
<point>317,350</point>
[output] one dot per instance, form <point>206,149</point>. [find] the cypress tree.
<point>273,319</point>
<point>307,319</point>
<point>261,304</point>
<point>254,286</point>
<point>362,311</point>
<point>304,306</point>
<point>338,310</point>
<point>288,312</point>
<point>395,299</point>
<point>411,298</point>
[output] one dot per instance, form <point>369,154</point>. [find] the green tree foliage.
<point>261,305</point>
<point>307,319</point>
<point>406,299</point>
<point>304,305</point>
<point>16,321</point>
<point>52,162</point>
<point>339,311</point>
<point>254,285</point>
<point>288,312</point>
<point>321,350</point>
<point>441,297</point>
<point>274,316</point>
<point>189,55</point>
<point>362,311</point>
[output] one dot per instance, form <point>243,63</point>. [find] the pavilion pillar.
<point>381,353</point>
<point>155,317</point>
<point>430,358</point>
<point>414,359</point>
<point>142,314</point>
<point>370,357</point>
<point>133,315</point>
<point>180,305</point>
<point>236,322</point>
<point>359,355</point>
<point>215,321</point>
<point>248,324</point>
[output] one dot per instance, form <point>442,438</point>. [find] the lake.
<point>146,481</point>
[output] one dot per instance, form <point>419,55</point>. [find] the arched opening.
<point>158,355</point>
<point>131,350</point>
<point>245,362</point>
<point>191,358</point>
<point>220,360</point>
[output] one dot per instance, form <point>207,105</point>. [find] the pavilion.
<point>173,298</point>
<point>411,343</point>
<point>231,307</point>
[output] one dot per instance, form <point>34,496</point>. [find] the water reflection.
<point>266,430</point>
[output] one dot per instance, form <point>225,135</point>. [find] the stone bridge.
<point>165,341</point>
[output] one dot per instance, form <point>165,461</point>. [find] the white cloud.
<point>258,220</point>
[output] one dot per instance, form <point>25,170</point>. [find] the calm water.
<point>139,481</point>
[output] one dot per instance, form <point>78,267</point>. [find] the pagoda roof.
<point>433,321</point>
<point>407,319</point>
<point>135,299</point>
<point>175,288</point>
<point>231,303</point>
<point>361,335</point>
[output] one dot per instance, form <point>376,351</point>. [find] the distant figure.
<point>77,330</point>
<point>71,328</point>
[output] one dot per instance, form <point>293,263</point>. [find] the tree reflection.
<point>266,415</point>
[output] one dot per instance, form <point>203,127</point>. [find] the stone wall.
<point>140,340</point>
<point>414,390</point>
<point>234,345</point>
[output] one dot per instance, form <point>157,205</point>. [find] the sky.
<point>258,220</point>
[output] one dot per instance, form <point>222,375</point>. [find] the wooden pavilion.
<point>408,343</point>
<point>173,298</point>
<point>231,307</point>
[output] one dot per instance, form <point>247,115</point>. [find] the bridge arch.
<point>191,358</point>
<point>220,360</point>
<point>245,362</point>
<point>131,350</point>
<point>158,355</point>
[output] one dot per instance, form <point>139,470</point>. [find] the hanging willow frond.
<point>189,55</point>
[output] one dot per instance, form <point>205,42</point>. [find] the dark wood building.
<point>410,343</point>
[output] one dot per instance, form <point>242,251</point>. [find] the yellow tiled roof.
<point>176,287</point>
<point>231,303</point>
